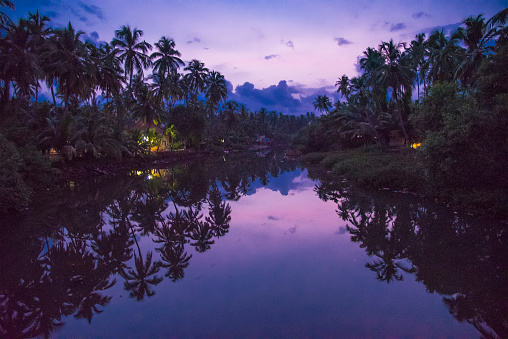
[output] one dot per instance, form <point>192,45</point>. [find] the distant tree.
<point>322,103</point>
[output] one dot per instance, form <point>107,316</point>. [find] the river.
<point>248,246</point>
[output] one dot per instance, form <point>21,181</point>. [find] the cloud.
<point>283,98</point>
<point>288,43</point>
<point>397,27</point>
<point>342,41</point>
<point>341,230</point>
<point>94,10</point>
<point>52,14</point>
<point>420,15</point>
<point>268,57</point>
<point>447,29</point>
<point>93,38</point>
<point>195,40</point>
<point>271,217</point>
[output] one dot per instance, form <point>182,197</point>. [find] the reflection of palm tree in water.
<point>175,259</point>
<point>138,280</point>
<point>219,214</point>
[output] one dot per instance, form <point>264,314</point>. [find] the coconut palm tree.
<point>444,57</point>
<point>67,57</point>
<point>372,60</point>
<point>19,62</point>
<point>216,90</point>
<point>39,30</point>
<point>396,74</point>
<point>417,53</point>
<point>322,103</point>
<point>4,18</point>
<point>167,58</point>
<point>109,73</point>
<point>343,86</point>
<point>196,79</point>
<point>133,50</point>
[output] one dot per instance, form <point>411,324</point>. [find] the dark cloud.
<point>290,44</point>
<point>447,29</point>
<point>268,57</point>
<point>94,10</point>
<point>342,41</point>
<point>271,217</point>
<point>83,19</point>
<point>52,14</point>
<point>95,35</point>
<point>397,27</point>
<point>420,15</point>
<point>280,98</point>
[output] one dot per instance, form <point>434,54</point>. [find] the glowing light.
<point>416,145</point>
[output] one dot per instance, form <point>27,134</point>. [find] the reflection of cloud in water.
<point>341,230</point>
<point>285,182</point>
<point>291,230</point>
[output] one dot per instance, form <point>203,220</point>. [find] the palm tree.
<point>67,58</point>
<point>478,36</point>
<point>146,106</point>
<point>322,103</point>
<point>444,57</point>
<point>4,18</point>
<point>167,59</point>
<point>196,78</point>
<point>109,73</point>
<point>39,30</point>
<point>417,52</point>
<point>19,62</point>
<point>133,50</point>
<point>216,90</point>
<point>372,60</point>
<point>395,74</point>
<point>343,86</point>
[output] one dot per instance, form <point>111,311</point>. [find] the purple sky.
<point>277,54</point>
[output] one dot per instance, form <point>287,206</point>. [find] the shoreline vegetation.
<point>429,116</point>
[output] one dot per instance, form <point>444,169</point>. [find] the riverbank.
<point>80,169</point>
<point>401,170</point>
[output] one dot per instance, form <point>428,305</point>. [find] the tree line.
<point>110,100</point>
<point>98,91</point>
<point>444,93</point>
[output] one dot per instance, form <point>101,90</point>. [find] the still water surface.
<point>248,247</point>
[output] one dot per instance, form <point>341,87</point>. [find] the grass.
<point>372,167</point>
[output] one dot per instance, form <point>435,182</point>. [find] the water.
<point>248,247</point>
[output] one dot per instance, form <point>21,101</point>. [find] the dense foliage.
<point>447,93</point>
<point>114,100</point>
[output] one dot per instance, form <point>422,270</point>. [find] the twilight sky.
<point>277,54</point>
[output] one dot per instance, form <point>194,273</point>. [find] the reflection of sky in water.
<point>285,269</point>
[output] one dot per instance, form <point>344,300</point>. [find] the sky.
<point>277,54</point>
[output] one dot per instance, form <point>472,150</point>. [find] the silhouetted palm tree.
<point>196,79</point>
<point>133,50</point>
<point>167,58</point>
<point>216,90</point>
<point>322,103</point>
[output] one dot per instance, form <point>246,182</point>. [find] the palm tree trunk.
<point>53,94</point>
